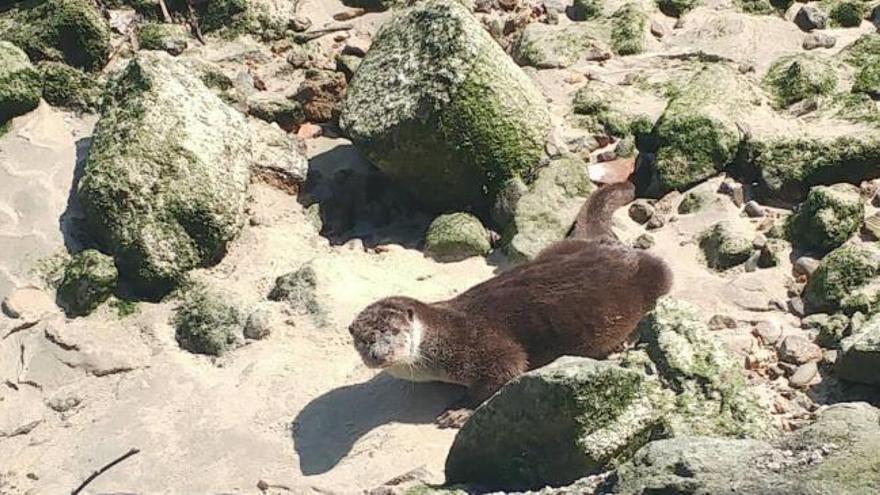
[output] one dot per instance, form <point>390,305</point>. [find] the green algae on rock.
<point>848,13</point>
<point>628,29</point>
<point>846,280</point>
<point>89,279</point>
<point>724,247</point>
<point>165,179</point>
<point>205,324</point>
<point>546,211</point>
<point>20,84</point>
<point>545,46</point>
<point>859,360</point>
<point>72,31</point>
<point>439,107</point>
<point>456,236</point>
<point>160,36</point>
<point>68,87</point>
<point>553,425</point>
<point>676,8</point>
<point>828,218</point>
<point>793,78</point>
<point>617,111</point>
<point>583,10</point>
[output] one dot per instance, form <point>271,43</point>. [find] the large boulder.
<point>846,280</point>
<point>828,218</point>
<point>165,180</point>
<point>439,107</point>
<point>793,78</point>
<point>19,83</point>
<point>546,211</point>
<point>553,426</point>
<point>859,360</point>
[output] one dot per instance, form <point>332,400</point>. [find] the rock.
<point>599,411</point>
<point>794,78</point>
<point>754,210</point>
<point>768,331</point>
<point>181,157</point>
<point>711,395</point>
<point>205,324</point>
<point>27,303</point>
<point>347,65</point>
<point>72,31</point>
<point>805,266</point>
<point>67,87</point>
<point>658,29</point>
<point>828,218</point>
<point>455,237</point>
<point>554,47</point>
<point>640,211</point>
<point>724,247</point>
<point>819,40</point>
<point>358,47</point>
<point>445,151</point>
<point>546,211</point>
<point>287,113</point>
<point>720,322</point>
<point>161,36</point>
<point>796,307</point>
<point>628,29</point>
<point>615,110</point>
<point>871,227</point>
<point>811,17</point>
<point>859,360</point>
<point>734,190</point>
<point>89,280</point>
<point>797,349</point>
<point>278,154</point>
<point>583,10</point>
<point>694,201</point>
<point>656,222</point>
<point>843,281</point>
<point>864,55</point>
<point>299,290</point>
<point>612,172</point>
<point>676,8</point>
<point>321,95</point>
<point>772,253</point>
<point>19,83</point>
<point>848,13</point>
<point>644,241</point>
<point>258,325</point>
<point>830,329</point>
<point>804,375</point>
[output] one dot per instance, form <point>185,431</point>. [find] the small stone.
<point>797,349</point>
<point>871,228</point>
<point>606,156</point>
<point>262,485</point>
<point>768,331</point>
<point>28,303</point>
<point>829,356</point>
<point>613,171</point>
<point>754,210</point>
<point>309,131</point>
<point>455,237</point>
<point>857,321</point>
<point>796,307</point>
<point>724,246</point>
<point>811,17</point>
<point>484,6</point>
<point>751,264</point>
<point>658,29</point>
<point>771,253</point>
<point>89,279</point>
<point>734,190</point>
<point>720,322</point>
<point>644,241</point>
<point>356,245</point>
<point>258,325</point>
<point>63,404</point>
<point>299,23</point>
<point>759,242</point>
<point>348,15</point>
<point>819,40</point>
<point>804,375</point>
<point>640,211</point>
<point>552,17</point>
<point>805,266</point>
<point>655,222</point>
<point>356,46</point>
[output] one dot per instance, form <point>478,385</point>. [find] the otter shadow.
<point>328,427</point>
<point>72,220</point>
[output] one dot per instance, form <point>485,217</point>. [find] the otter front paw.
<point>454,418</point>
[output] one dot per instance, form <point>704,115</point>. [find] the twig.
<point>165,14</point>
<point>103,469</point>
<point>311,35</point>
<point>194,22</point>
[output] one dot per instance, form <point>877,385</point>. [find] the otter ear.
<point>410,314</point>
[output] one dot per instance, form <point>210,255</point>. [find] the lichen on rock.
<point>859,360</point>
<point>204,323</point>
<point>617,111</point>
<point>845,280</point>
<point>828,218</point>
<point>456,236</point>
<point>165,179</point>
<point>724,246</point>
<point>89,279</point>
<point>794,78</point>
<point>68,87</point>
<point>676,8</point>
<point>440,108</point>
<point>628,29</point>
<point>20,84</point>
<point>551,47</point>
<point>160,36</point>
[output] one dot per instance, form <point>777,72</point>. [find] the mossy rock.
<point>205,324</point>
<point>617,111</point>
<point>711,396</point>
<point>165,180</point>
<point>859,360</point>
<point>160,36</point>
<point>20,85</point>
<point>72,31</point>
<point>68,87</point>
<point>628,29</point>
<point>547,210</point>
<point>89,279</point>
<point>830,328</point>
<point>724,247</point>
<point>828,218</point>
<point>697,135</point>
<point>695,201</point>
<point>451,141</point>
<point>583,10</point>
<point>545,46</point>
<point>793,78</point>
<point>846,281</point>
<point>848,13</point>
<point>287,113</point>
<point>868,81</point>
<point>864,55</point>
<point>676,8</point>
<point>456,236</point>
<point>552,426</point>
<point>299,290</point>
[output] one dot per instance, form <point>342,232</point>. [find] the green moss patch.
<point>724,247</point>
<point>848,13</point>
<point>845,281</point>
<point>205,324</point>
<point>456,236</point>
<point>797,77</point>
<point>19,83</point>
<point>828,218</point>
<point>628,29</point>
<point>89,280</point>
<point>67,87</point>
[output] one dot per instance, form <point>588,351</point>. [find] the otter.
<point>582,296</point>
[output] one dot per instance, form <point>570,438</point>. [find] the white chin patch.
<point>415,340</point>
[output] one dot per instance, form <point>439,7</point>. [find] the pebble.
<point>819,40</point>
<point>355,245</point>
<point>872,227</point>
<point>805,266</point>
<point>810,17</point>
<point>768,331</point>
<point>797,349</point>
<point>804,375</point>
<point>655,222</point>
<point>606,156</point>
<point>641,211</point>
<point>300,23</point>
<point>644,241</point>
<point>754,210</point>
<point>829,356</point>
<point>658,29</point>
<point>751,264</point>
<point>734,190</point>
<point>258,325</point>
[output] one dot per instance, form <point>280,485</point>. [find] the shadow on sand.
<point>328,427</point>
<point>72,220</point>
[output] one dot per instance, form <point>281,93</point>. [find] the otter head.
<point>388,332</point>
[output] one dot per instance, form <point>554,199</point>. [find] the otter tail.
<point>594,220</point>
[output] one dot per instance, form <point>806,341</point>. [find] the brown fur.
<point>581,297</point>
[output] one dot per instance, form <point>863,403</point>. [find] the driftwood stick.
<point>165,14</point>
<point>194,22</point>
<point>103,469</point>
